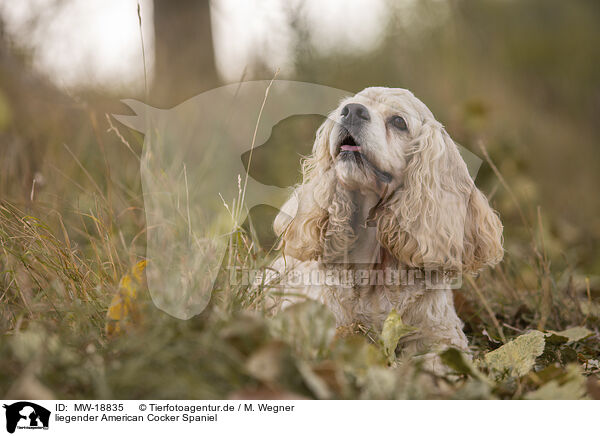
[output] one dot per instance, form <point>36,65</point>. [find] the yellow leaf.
<point>573,334</point>
<point>570,386</point>
<point>118,309</point>
<point>127,287</point>
<point>517,357</point>
<point>394,330</point>
<point>122,311</point>
<point>138,269</point>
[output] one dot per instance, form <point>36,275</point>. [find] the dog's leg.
<point>439,328</point>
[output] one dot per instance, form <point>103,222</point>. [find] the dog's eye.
<point>398,122</point>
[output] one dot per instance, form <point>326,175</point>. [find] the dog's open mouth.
<point>350,150</point>
<point>349,144</point>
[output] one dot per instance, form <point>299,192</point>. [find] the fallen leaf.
<point>517,357</point>
<point>459,362</point>
<point>570,386</point>
<point>123,310</point>
<point>394,330</point>
<point>573,334</point>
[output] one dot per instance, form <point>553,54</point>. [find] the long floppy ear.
<point>302,220</point>
<point>438,218</point>
<point>483,234</point>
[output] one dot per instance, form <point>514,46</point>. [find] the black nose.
<point>355,113</point>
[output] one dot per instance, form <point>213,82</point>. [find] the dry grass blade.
<point>487,307</point>
<point>262,107</point>
<point>546,305</point>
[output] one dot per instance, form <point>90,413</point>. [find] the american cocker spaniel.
<point>386,218</point>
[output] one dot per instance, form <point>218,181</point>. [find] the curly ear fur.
<point>438,218</point>
<point>483,234</point>
<point>303,219</point>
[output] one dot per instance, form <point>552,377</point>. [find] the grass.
<point>71,246</point>
<point>61,269</point>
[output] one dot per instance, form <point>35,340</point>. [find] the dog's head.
<point>386,142</point>
<point>370,137</point>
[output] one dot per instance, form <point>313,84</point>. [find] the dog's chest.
<point>368,301</point>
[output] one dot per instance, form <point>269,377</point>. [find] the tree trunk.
<point>184,54</point>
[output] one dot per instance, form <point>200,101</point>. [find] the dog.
<point>386,218</point>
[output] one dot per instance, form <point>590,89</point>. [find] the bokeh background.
<point>521,76</point>
<point>518,80</point>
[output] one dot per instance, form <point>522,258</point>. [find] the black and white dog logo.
<point>26,415</point>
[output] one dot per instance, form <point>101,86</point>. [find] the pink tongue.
<point>350,147</point>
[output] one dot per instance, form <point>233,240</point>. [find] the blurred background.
<point>521,78</point>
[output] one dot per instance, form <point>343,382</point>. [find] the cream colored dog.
<point>386,218</point>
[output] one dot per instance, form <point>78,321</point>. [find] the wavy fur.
<point>430,216</point>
